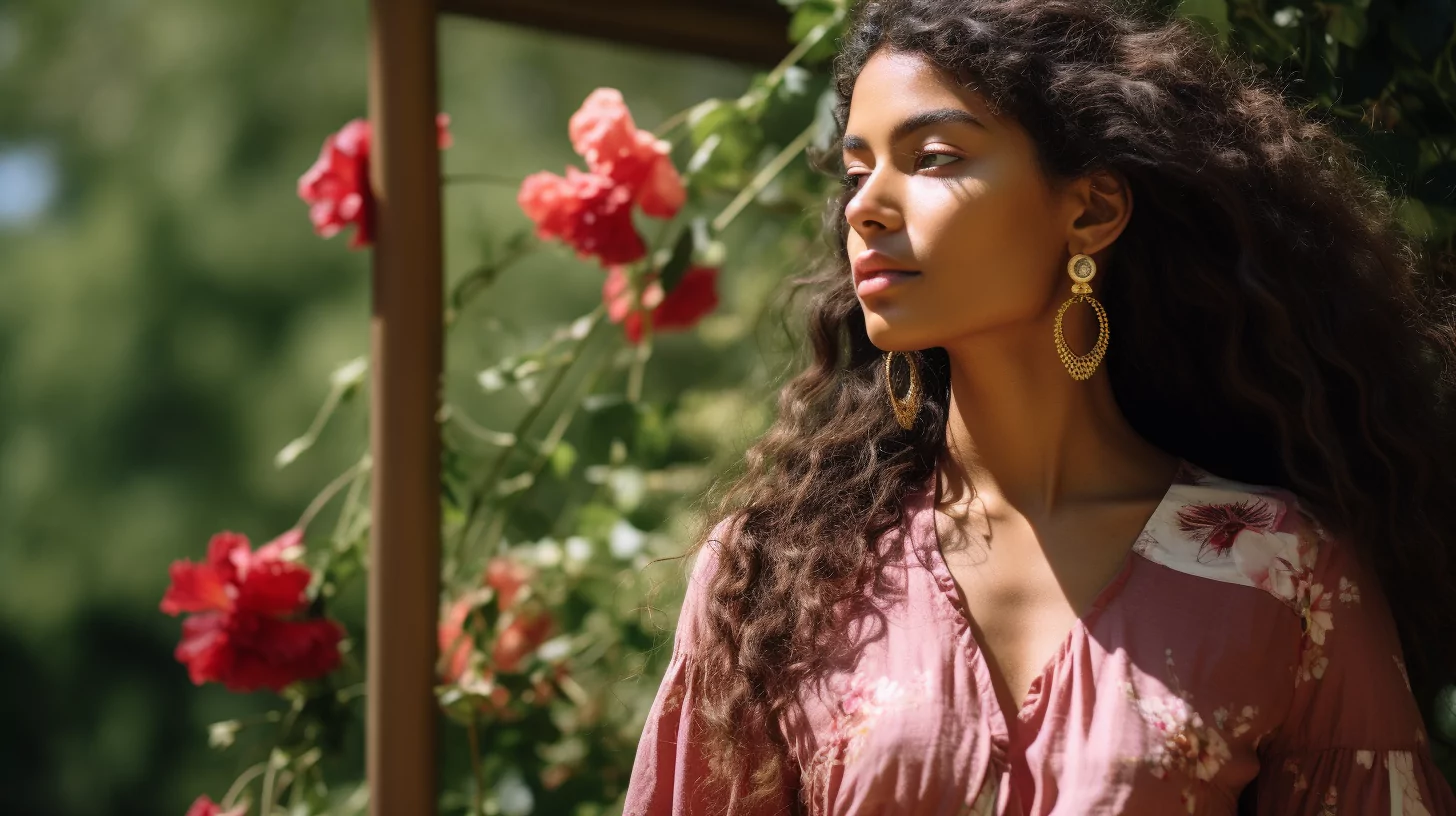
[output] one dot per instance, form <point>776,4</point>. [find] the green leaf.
<point>563,458</point>
<point>726,140</point>
<point>682,253</point>
<point>1346,25</point>
<point>1210,15</point>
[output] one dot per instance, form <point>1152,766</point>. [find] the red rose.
<point>589,212</point>
<point>244,631</point>
<point>507,577</point>
<point>694,297</point>
<point>456,644</point>
<point>204,806</point>
<point>603,133</point>
<point>521,637</point>
<point>336,187</point>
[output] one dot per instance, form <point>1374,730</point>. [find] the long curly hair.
<point>1278,327</point>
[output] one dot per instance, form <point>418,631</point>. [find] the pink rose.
<point>603,133</point>
<point>592,211</point>
<point>589,212</point>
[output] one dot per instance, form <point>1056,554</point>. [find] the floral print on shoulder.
<point>1255,536</point>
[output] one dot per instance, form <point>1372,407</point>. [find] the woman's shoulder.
<point>1240,533</point>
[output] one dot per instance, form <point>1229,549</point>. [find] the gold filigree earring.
<point>907,409</point>
<point>1081,268</point>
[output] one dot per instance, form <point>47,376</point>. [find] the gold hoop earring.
<point>908,409</point>
<point>1081,268</point>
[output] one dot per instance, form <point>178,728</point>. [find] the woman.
<point>972,570</point>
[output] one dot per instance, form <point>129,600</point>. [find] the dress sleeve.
<point>671,768</point>
<point>1353,741</point>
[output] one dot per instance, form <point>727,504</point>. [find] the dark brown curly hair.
<point>1278,327</point>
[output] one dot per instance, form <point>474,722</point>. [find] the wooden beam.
<point>406,347</point>
<point>754,31</point>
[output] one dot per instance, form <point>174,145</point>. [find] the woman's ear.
<point>1101,208</point>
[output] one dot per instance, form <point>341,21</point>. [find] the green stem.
<point>241,784</point>
<point>265,802</point>
<point>774,77</point>
<point>351,506</point>
<point>524,426</point>
<point>673,121</point>
<point>498,439</point>
<point>331,490</point>
<point>543,455</point>
<point>769,172</point>
<point>640,356</point>
<point>481,277</point>
<point>478,800</point>
<point>792,58</point>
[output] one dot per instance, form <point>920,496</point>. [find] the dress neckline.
<point>932,556</point>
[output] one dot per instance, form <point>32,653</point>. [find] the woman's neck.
<point>1022,431</point>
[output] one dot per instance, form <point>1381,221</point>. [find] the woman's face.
<point>953,193</point>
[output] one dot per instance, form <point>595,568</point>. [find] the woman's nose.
<point>873,208</point>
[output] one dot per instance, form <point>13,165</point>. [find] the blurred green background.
<point>168,319</point>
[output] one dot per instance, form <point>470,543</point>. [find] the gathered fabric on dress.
<point>1238,645</point>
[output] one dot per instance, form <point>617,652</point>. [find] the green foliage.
<point>1383,74</point>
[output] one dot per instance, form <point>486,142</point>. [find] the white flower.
<point>578,549</point>
<point>1270,560</point>
<point>625,540</point>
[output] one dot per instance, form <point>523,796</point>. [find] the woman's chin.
<point>894,333</point>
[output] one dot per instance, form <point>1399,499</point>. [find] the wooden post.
<point>406,348</point>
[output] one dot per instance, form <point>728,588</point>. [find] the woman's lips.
<point>882,279</point>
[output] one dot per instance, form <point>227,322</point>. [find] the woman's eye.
<point>850,181</point>
<point>924,156</point>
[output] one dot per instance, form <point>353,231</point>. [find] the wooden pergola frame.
<point>406,333</point>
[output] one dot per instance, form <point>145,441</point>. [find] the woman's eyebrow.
<point>917,121</point>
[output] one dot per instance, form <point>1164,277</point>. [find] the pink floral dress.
<point>1238,646</point>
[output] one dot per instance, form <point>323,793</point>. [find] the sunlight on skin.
<point>951,190</point>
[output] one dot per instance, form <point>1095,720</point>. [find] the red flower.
<point>603,133</point>
<point>589,212</point>
<point>243,631</point>
<point>204,806</point>
<point>694,297</point>
<point>507,577</point>
<point>592,212</point>
<point>456,644</point>
<point>336,187</point>
<point>521,637</point>
<point>1215,526</point>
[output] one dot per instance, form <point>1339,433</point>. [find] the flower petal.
<point>205,647</point>
<point>273,587</point>
<point>196,588</point>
